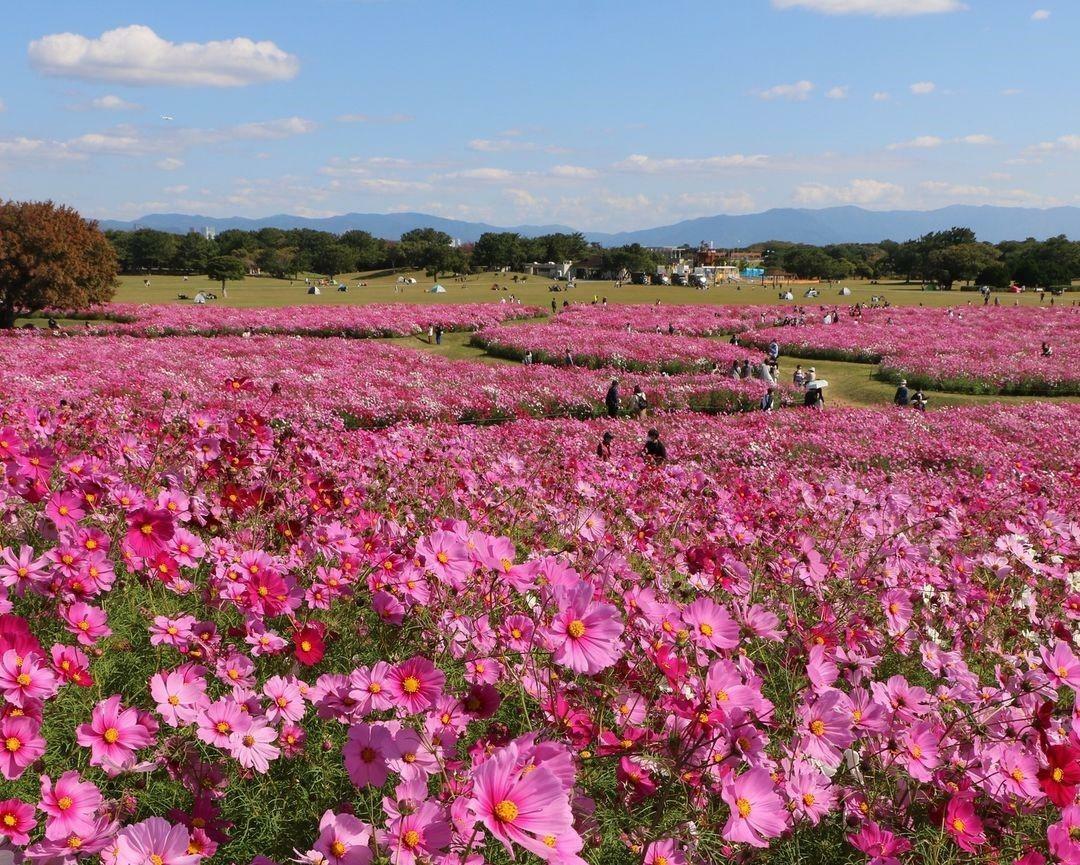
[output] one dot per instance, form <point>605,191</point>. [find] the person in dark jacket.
<point>603,449</point>
<point>611,400</point>
<point>902,397</point>
<point>654,450</point>
<point>815,398</point>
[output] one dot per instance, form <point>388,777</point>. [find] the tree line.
<point>942,258</point>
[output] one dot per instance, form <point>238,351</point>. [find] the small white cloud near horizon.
<point>797,92</point>
<point>639,163</point>
<point>176,190</point>
<point>137,55</point>
<point>375,119</point>
<point>576,172</point>
<point>922,88</point>
<point>1040,14</point>
<point>838,92</point>
<point>170,163</point>
<point>881,96</point>
<point>859,191</point>
<point>113,103</point>
<point>921,142</point>
<point>876,8</point>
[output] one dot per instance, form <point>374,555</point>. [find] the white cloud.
<point>954,190</point>
<point>921,142</point>
<point>930,141</point>
<point>921,88</point>
<point>881,96</point>
<point>648,165</point>
<point>839,92</point>
<point>386,185</point>
<point>375,119</point>
<point>798,92</point>
<point>176,190</point>
<point>859,191</point>
<point>113,103</point>
<point>877,8</point>
<point>270,129</point>
<point>710,203</point>
<point>1011,91</point>
<point>170,163</point>
<point>34,148</point>
<point>577,172</point>
<point>502,145</point>
<point>1040,14</point>
<point>137,55</point>
<point>483,174</point>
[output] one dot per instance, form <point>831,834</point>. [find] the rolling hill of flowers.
<point>236,628</point>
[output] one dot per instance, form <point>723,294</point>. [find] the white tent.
<point>845,291</point>
<point>788,295</point>
<point>436,289</point>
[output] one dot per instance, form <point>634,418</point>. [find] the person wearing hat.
<point>603,449</point>
<point>811,375</point>
<point>902,397</point>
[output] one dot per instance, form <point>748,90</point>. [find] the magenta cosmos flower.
<point>520,808</point>
<point>21,744</point>
<point>156,841</point>
<point>113,735</point>
<point>585,633</point>
<point>16,820</point>
<point>70,806</point>
<point>963,824</point>
<point>366,752</point>
<point>415,684</point>
<point>757,812</point>
<point>148,532</point>
<point>710,625</point>
<point>421,834</point>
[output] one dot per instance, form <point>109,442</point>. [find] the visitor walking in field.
<point>902,397</point>
<point>641,402</point>
<point>611,399</point>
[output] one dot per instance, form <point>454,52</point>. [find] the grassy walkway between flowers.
<point>850,384</point>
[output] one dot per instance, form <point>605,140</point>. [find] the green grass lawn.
<point>265,291</point>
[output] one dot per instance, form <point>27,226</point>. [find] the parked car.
<point>680,279</point>
<point>661,279</point>
<point>641,279</point>
<point>699,280</point>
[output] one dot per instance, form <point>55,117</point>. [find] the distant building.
<point>209,233</point>
<point>550,269</point>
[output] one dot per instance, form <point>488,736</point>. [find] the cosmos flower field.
<point>286,599</point>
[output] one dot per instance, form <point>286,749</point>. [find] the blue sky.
<point>601,114</point>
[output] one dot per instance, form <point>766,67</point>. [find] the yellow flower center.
<point>249,741</point>
<point>156,860</point>
<point>222,727</point>
<point>305,645</point>
<point>63,803</point>
<point>174,700</point>
<point>706,629</point>
<point>1057,774</point>
<point>111,735</point>
<point>411,685</point>
<point>374,688</point>
<point>576,629</point>
<point>12,744</point>
<point>808,799</point>
<point>442,557</point>
<point>23,679</point>
<point>1017,775</point>
<point>817,727</point>
<point>958,824</point>
<point>146,529</point>
<point>338,849</point>
<point>743,806</point>
<point>506,811</point>
<point>411,839</point>
<point>9,819</point>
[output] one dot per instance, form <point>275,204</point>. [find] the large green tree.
<point>960,261</point>
<point>223,268</point>
<point>498,249</point>
<point>51,257</point>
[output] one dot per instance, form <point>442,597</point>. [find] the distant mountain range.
<point>829,225</point>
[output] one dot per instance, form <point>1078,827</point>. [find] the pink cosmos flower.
<point>21,743</point>
<point>881,845</point>
<point>422,834</point>
<point>810,794</point>
<point>415,684</point>
<point>221,719</point>
<point>1062,666</point>
<point>113,736</point>
<point>366,752</point>
<point>897,606</point>
<point>87,623</point>
<point>64,509</point>
<point>71,665</point>
<point>72,847</point>
<point>16,821</point>
<point>527,809</point>
<point>171,632</point>
<point>411,756</point>
<point>664,852</point>
<point>253,748</point>
<point>343,840</point>
<point>446,556</point>
<point>155,841</point>
<point>70,807</point>
<point>21,570</point>
<point>370,688</point>
<point>585,633</point>
<point>148,532</point>
<point>285,700</point>
<point>757,813</point>
<point>962,823</point>
<point>25,680</point>
<point>825,729</point>
<point>178,700</point>
<point>918,750</point>
<point>710,625</point>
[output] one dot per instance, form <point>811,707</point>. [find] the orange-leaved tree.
<point>51,257</point>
